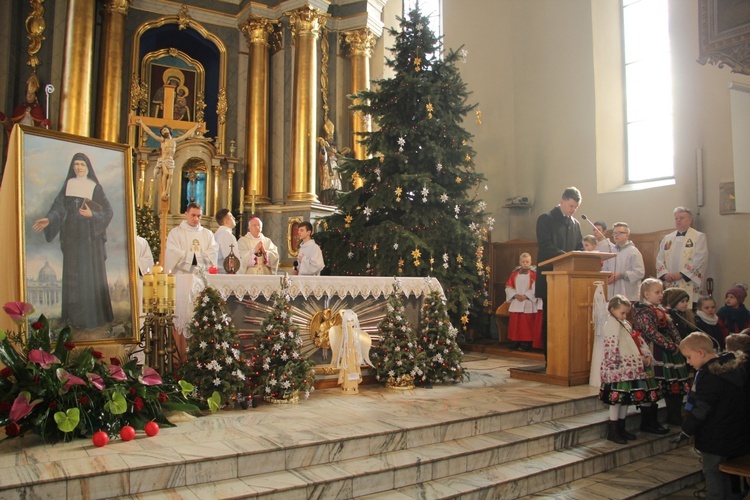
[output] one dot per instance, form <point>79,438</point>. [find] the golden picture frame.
<point>75,221</point>
<point>292,239</point>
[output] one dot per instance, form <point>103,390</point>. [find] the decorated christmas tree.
<point>147,226</point>
<point>398,360</point>
<point>215,362</point>
<point>281,373</point>
<point>437,338</point>
<point>415,207</point>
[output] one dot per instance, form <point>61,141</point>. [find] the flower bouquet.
<point>62,392</point>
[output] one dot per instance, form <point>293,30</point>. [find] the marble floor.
<point>211,448</point>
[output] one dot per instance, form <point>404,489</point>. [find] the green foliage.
<point>281,372</point>
<point>437,338</point>
<point>214,359</point>
<point>397,359</point>
<point>72,392</point>
<point>147,226</point>
<point>418,212</point>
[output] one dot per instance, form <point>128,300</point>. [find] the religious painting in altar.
<point>725,34</point>
<point>78,234</point>
<point>292,236</point>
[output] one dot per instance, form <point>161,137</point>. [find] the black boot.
<point>674,409</point>
<point>650,420</point>
<point>624,433</point>
<point>613,433</point>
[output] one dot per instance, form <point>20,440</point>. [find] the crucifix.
<point>165,165</point>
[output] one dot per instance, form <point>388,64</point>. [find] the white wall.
<point>531,68</point>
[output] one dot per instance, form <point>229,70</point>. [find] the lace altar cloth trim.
<point>189,286</point>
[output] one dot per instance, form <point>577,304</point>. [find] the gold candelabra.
<point>158,343</point>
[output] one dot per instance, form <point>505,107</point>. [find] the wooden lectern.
<point>570,329</point>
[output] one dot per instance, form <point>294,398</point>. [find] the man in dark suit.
<point>557,232</point>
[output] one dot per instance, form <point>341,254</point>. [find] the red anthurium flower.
<point>149,376</point>
<point>116,372</point>
<point>69,379</point>
<point>96,380</point>
<point>6,372</point>
<point>12,429</point>
<point>22,406</point>
<point>18,310</point>
<point>43,358</point>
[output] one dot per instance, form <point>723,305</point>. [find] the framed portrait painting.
<point>77,227</point>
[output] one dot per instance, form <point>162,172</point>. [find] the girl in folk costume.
<point>734,316</point>
<point>670,368</point>
<point>623,373</point>
<point>525,326</point>
<point>677,303</point>
<point>708,322</point>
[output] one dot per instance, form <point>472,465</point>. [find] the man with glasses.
<point>627,268</point>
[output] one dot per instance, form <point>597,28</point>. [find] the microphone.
<point>609,243</point>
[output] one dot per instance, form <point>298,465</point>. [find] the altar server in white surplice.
<point>683,255</point>
<point>190,246</point>
<point>225,238</point>
<point>525,325</point>
<point>350,346</point>
<point>626,268</point>
<point>257,252</point>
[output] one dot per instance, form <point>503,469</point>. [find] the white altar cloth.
<point>188,286</point>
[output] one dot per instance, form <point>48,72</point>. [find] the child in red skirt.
<point>525,326</point>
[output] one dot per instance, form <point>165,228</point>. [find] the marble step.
<point>596,470</point>
<point>397,472</point>
<point>648,478</point>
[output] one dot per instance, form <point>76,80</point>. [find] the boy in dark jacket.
<point>717,411</point>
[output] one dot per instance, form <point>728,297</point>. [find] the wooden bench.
<point>739,466</point>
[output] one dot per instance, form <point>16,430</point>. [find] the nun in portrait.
<point>81,214</point>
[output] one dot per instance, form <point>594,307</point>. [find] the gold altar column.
<point>359,45</point>
<point>111,61</point>
<point>75,101</point>
<point>258,31</point>
<point>306,24</point>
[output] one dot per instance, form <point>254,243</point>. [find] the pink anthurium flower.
<point>96,380</point>
<point>149,376</point>
<point>43,358</point>
<point>22,406</point>
<point>117,373</point>
<point>69,379</point>
<point>18,310</point>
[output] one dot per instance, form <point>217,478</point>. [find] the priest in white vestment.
<point>683,255</point>
<point>190,246</point>
<point>258,254</point>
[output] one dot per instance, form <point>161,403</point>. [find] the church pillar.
<point>306,24</point>
<point>258,31</point>
<point>75,102</point>
<point>358,45</point>
<point>111,60</point>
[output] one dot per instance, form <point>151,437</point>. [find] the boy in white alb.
<point>310,258</point>
<point>525,326</point>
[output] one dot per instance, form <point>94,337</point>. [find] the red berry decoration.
<point>127,433</point>
<point>152,429</point>
<point>100,438</point>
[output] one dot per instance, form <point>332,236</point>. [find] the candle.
<point>148,292</point>
<point>141,189</point>
<point>242,199</point>
<point>171,282</point>
<point>160,289</point>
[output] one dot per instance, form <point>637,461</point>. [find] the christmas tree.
<point>415,209</point>
<point>398,361</point>
<point>281,372</point>
<point>147,226</point>
<point>437,338</point>
<point>214,360</point>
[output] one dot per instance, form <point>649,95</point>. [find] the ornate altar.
<point>315,300</point>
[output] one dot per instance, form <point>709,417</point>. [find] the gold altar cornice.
<point>117,6</point>
<point>307,21</point>
<point>358,42</point>
<point>258,30</point>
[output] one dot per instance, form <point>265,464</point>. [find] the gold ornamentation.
<point>398,192</point>
<point>429,110</point>
<point>325,370</point>
<point>200,105</point>
<point>183,18</point>
<point>293,399</point>
<point>258,30</point>
<point>138,96</point>
<point>416,254</point>
<point>348,220</point>
<point>35,26</point>
<point>358,42</point>
<point>357,181</point>
<point>479,117</point>
<point>458,180</point>
<point>222,107</point>
<point>324,49</point>
<point>467,157</point>
<point>417,63</point>
<point>306,21</point>
<point>406,383</point>
<point>117,6</point>
<point>320,323</point>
